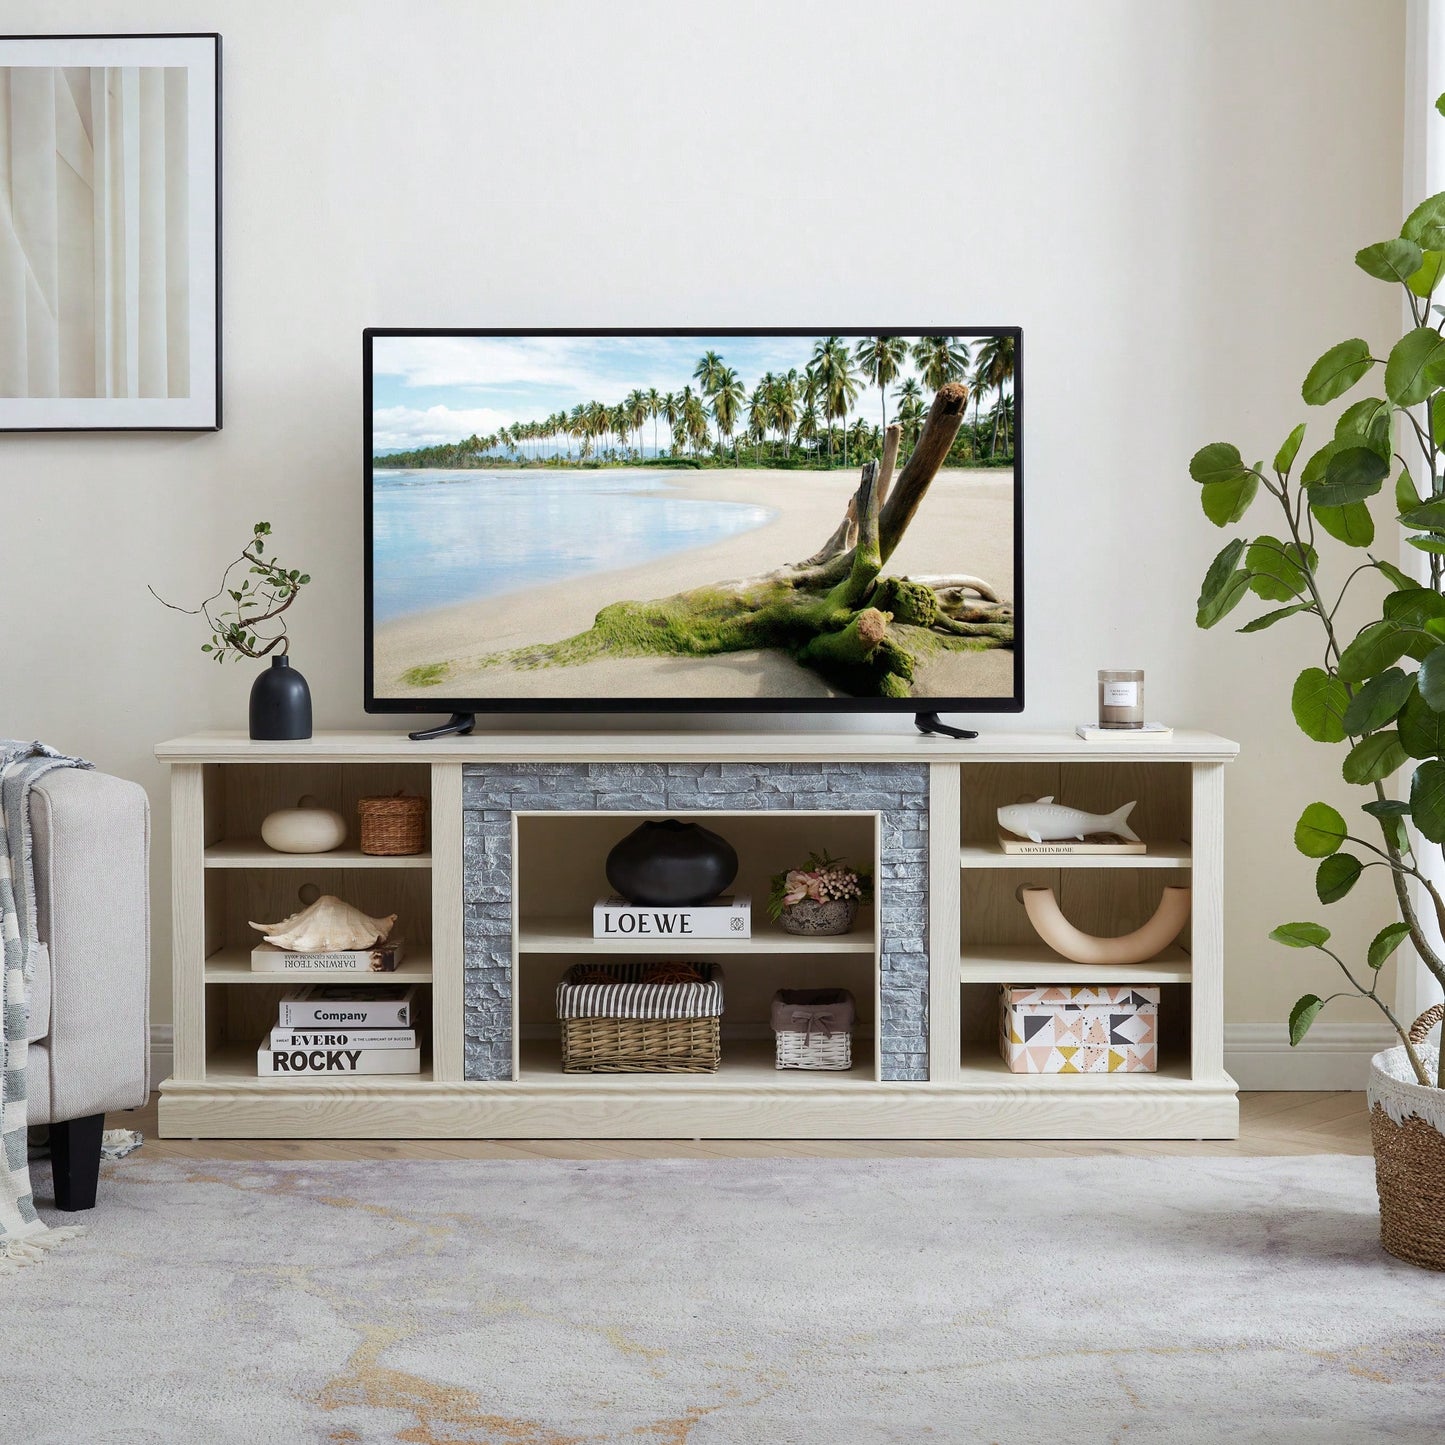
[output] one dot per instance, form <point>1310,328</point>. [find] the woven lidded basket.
<point>814,1028</point>
<point>1407,1124</point>
<point>392,827</point>
<point>641,1046</point>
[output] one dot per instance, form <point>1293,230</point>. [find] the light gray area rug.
<point>750,1302</point>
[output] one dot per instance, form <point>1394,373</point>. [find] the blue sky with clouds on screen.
<point>431,389</point>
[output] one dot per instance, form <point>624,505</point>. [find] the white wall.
<point>1165,196</point>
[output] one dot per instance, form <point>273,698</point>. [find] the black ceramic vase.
<point>671,865</point>
<point>280,703</point>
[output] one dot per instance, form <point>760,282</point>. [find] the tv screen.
<point>671,520</point>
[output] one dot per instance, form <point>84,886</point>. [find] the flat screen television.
<point>688,520</point>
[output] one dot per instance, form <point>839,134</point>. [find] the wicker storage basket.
<point>1407,1125</point>
<point>640,1046</point>
<point>814,1028</point>
<point>615,1021</point>
<point>392,827</point>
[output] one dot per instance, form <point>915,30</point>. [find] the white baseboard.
<point>1258,1056</point>
<point>163,1053</point>
<point>1332,1056</point>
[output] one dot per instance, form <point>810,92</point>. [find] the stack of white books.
<point>337,1028</point>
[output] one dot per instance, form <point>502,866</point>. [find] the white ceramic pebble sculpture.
<point>306,828</point>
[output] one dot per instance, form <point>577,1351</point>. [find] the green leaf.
<point>1406,497</point>
<point>1223,585</point>
<point>1396,260</point>
<point>1319,702</point>
<point>1427,800</point>
<point>1274,567</point>
<point>304,577</point>
<point>1337,371</point>
<point>1377,647</point>
<point>1379,700</point>
<point>1440,104</point>
<point>1226,502</point>
<point>1425,225</point>
<point>1393,573</point>
<point>1353,474</point>
<point>1336,875</point>
<point>1270,618</point>
<point>1352,525</point>
<point>1315,465</point>
<point>1218,462</point>
<point>1428,516</point>
<point>1432,680</point>
<point>206,647</point>
<point>1289,449</point>
<point>1385,808</point>
<point>1302,1015</point>
<point>1412,361</point>
<point>1229,596</point>
<point>1415,606</point>
<point>1385,942</point>
<point>1427,278</point>
<point>1301,935</point>
<point>1374,758</point>
<point>1320,831</point>
<point>1366,423</point>
<point>1434,545</point>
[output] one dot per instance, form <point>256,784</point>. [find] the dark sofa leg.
<point>75,1161</point>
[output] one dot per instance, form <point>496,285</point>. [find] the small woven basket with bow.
<point>814,1028</point>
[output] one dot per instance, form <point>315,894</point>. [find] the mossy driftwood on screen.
<point>835,612</point>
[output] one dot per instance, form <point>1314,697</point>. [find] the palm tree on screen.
<point>881,358</point>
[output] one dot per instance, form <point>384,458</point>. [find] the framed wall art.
<point>110,225</point>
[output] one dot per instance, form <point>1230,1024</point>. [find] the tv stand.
<point>460,723</point>
<point>931,723</point>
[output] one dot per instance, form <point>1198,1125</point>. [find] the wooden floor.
<point>1269,1124</point>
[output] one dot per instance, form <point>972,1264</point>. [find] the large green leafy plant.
<point>1382,692</point>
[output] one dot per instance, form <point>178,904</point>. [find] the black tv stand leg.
<point>930,722</point>
<point>460,723</point>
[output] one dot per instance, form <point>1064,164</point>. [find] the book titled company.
<point>341,1006</point>
<point>726,917</point>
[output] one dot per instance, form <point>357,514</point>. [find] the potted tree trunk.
<point>1380,693</point>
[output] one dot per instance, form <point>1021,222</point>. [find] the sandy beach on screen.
<point>964,525</point>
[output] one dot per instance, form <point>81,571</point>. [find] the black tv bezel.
<point>388,705</point>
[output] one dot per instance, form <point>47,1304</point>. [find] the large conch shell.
<point>326,926</point>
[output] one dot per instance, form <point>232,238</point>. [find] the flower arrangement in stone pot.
<point>822,898</point>
<point>245,617</point>
<point>1380,693</point>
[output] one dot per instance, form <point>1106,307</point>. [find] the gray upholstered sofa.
<point>90,999</point>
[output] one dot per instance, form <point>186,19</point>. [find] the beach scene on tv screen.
<point>776,517</point>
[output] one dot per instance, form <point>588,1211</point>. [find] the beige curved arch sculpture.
<point>1137,947</point>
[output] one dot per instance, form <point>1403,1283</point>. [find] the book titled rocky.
<point>619,921</point>
<point>337,1061</point>
<point>344,1006</point>
<point>383,958</point>
<point>343,1038</point>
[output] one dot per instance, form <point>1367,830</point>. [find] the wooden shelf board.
<point>233,965</point>
<point>983,1067</point>
<point>1023,963</point>
<point>253,853</point>
<point>746,1064</point>
<point>236,1064</point>
<point>566,935</point>
<point>990,855</point>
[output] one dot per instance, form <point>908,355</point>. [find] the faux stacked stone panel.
<point>898,792</point>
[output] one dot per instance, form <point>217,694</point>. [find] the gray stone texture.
<point>898,791</point>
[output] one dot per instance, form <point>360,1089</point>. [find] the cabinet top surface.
<point>900,745</point>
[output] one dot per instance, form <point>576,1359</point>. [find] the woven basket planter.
<point>640,1046</point>
<point>814,1028</point>
<point>392,827</point>
<point>1407,1125</point>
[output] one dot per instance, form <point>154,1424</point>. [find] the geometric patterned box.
<point>1070,1029</point>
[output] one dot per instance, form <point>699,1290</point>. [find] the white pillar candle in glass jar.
<point>1121,698</point>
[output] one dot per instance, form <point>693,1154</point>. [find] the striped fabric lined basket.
<point>625,1026</point>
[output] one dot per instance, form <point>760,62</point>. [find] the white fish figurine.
<point>1047,821</point>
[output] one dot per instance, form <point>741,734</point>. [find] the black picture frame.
<point>212,394</point>
<point>545,706</point>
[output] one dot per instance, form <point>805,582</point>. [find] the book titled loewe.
<point>623,922</point>
<point>383,958</point>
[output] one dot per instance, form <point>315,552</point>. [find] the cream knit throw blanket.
<point>23,1234</point>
